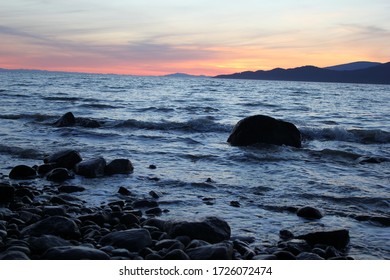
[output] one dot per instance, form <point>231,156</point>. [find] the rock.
<point>124,191</point>
<point>87,122</point>
<point>91,168</point>
<point>7,193</point>
<point>153,211</point>
<point>309,212</point>
<point>74,253</point>
<point>286,234</point>
<point>22,172</point>
<point>219,251</point>
<point>39,245</point>
<point>50,210</point>
<point>176,254</point>
<point>308,256</point>
<point>338,238</point>
<point>54,225</point>
<point>235,203</point>
<point>59,175</point>
<point>243,248</point>
<point>284,255</point>
<point>264,257</point>
<point>70,189</point>
<point>210,229</point>
<point>65,158</point>
<point>152,166</point>
<point>131,239</point>
<point>46,168</point>
<point>129,219</point>
<point>67,119</point>
<point>119,166</point>
<point>145,203</point>
<point>264,129</point>
<point>13,255</point>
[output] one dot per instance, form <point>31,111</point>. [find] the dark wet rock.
<point>176,254</point>
<point>98,218</point>
<point>46,168</point>
<point>70,189</point>
<point>122,253</point>
<point>124,191</point>
<point>22,172</point>
<point>320,252</point>
<point>51,210</point>
<point>384,221</point>
<point>91,168</point>
<point>218,251</point>
<point>295,246</point>
<point>20,248</point>
<point>67,119</point>
<point>264,257</point>
<point>308,256</point>
<point>235,204</point>
<point>65,158</point>
<point>74,253</point>
<point>119,166</point>
<point>210,229</point>
<point>7,193</point>
<point>153,211</point>
<point>263,129</point>
<point>3,233</point>
<point>245,251</point>
<point>145,203</point>
<point>372,160</point>
<point>24,191</point>
<point>59,175</point>
<point>168,243</point>
<point>284,255</point>
<point>131,239</point>
<point>39,245</point>
<point>87,122</point>
<point>13,255</point>
<point>332,252</point>
<point>309,212</point>
<point>154,222</point>
<point>155,194</point>
<point>337,238</point>
<point>286,234</point>
<point>152,166</point>
<point>55,225</point>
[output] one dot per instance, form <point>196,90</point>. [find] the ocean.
<point>181,125</point>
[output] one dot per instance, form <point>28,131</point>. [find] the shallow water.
<point>181,126</point>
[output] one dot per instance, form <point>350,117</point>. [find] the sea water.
<point>181,125</point>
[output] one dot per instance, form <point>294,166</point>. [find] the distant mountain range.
<point>355,72</point>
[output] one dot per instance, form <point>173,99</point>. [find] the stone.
<point>67,119</point>
<point>244,250</point>
<point>264,257</point>
<point>39,245</point>
<point>13,255</point>
<point>129,219</point>
<point>7,193</point>
<point>91,168</point>
<point>51,210</point>
<point>59,175</point>
<point>145,203</point>
<point>286,234</point>
<point>119,166</point>
<point>65,158</point>
<point>308,256</point>
<point>263,129</point>
<point>124,191</point>
<point>131,239</point>
<point>176,254</point>
<point>87,122</point>
<point>337,238</point>
<point>153,211</point>
<point>218,251</point>
<point>54,225</point>
<point>309,212</point>
<point>46,168</point>
<point>284,255</point>
<point>210,229</point>
<point>70,189</point>
<point>22,172</point>
<point>74,253</point>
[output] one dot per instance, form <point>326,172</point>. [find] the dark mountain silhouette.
<point>353,66</point>
<point>379,74</point>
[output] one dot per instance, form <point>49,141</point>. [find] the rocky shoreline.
<point>52,223</point>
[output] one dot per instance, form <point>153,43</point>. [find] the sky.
<point>151,37</point>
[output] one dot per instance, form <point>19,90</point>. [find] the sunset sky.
<point>151,37</point>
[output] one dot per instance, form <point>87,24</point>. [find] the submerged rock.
<point>22,172</point>
<point>119,166</point>
<point>67,119</point>
<point>309,212</point>
<point>263,129</point>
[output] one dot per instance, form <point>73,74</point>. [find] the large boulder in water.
<point>65,158</point>
<point>263,129</point>
<point>91,168</point>
<point>67,119</point>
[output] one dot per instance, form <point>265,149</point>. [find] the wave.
<point>363,136</point>
<point>99,106</point>
<point>34,117</point>
<point>196,125</point>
